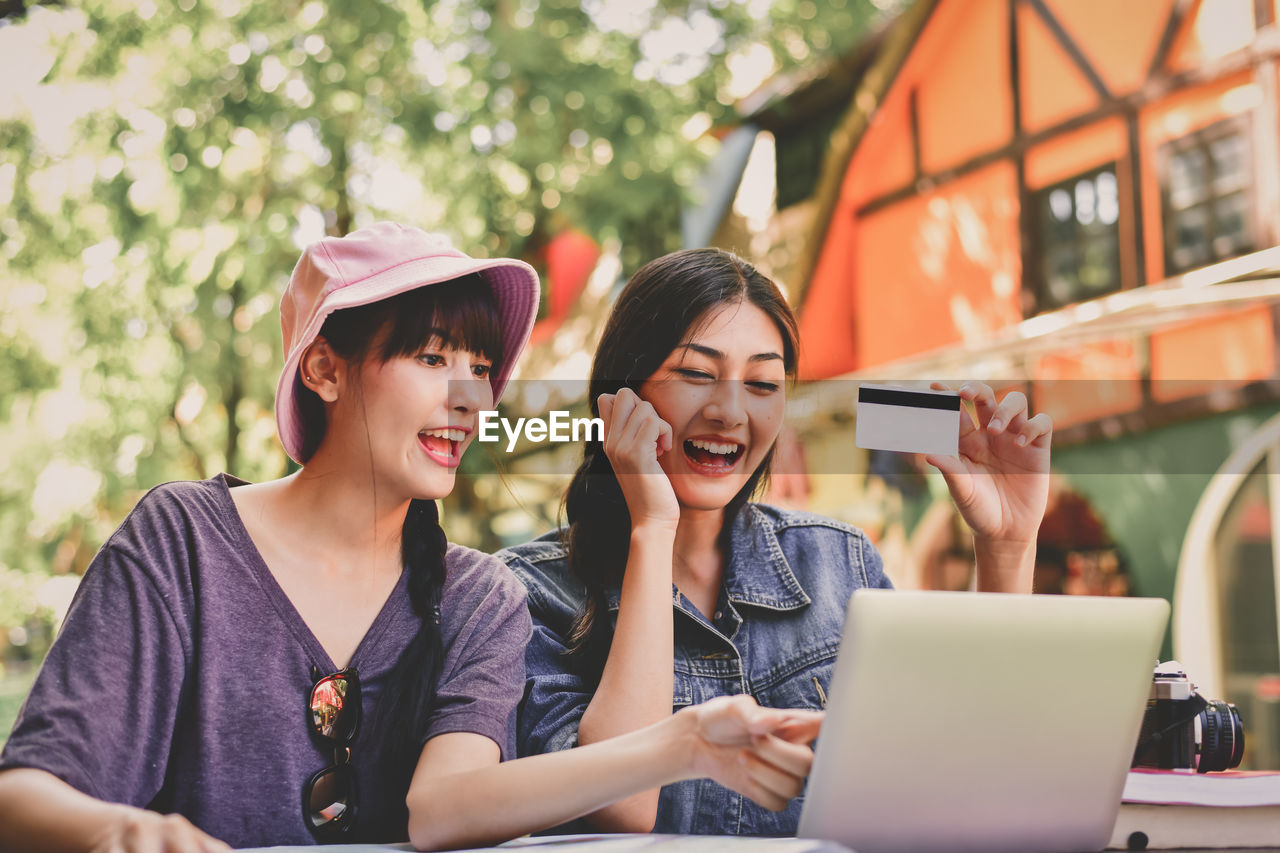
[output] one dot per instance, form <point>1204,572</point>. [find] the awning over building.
<point>1250,281</point>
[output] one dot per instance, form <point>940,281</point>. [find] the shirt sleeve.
<point>101,713</point>
<point>483,669</point>
<point>555,695</point>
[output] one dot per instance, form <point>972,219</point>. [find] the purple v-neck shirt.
<point>180,677</point>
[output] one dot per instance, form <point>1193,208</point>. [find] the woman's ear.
<point>320,367</point>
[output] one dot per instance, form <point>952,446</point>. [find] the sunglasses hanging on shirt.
<point>329,798</point>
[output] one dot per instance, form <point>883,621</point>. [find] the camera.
<point>1183,730</point>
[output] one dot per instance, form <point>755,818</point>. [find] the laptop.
<point>981,721</point>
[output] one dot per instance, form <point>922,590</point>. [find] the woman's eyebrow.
<point>710,352</point>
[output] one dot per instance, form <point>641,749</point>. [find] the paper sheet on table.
<point>672,844</point>
<point>610,844</point>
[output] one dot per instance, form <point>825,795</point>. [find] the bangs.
<point>460,314</point>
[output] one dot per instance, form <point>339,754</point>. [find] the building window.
<point>1079,238</point>
<point>1206,197</point>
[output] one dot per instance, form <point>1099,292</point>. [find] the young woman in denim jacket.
<point>665,558</point>
<point>308,659</point>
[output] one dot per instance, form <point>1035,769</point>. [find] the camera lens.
<point>1221,737</point>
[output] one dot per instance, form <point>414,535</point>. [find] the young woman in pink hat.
<point>309,659</point>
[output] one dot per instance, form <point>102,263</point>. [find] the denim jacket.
<point>774,634</point>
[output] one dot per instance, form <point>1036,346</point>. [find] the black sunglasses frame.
<point>341,765</point>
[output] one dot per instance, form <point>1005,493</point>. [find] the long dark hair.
<point>653,315</point>
<point>465,311</point>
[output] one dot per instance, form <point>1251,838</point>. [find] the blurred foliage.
<point>12,694</point>
<point>161,165</point>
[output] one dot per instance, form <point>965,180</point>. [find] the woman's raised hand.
<point>634,438</point>
<point>762,753</point>
<point>1000,480</point>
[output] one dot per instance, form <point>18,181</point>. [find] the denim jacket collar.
<point>757,574</point>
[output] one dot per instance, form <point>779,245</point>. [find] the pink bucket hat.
<point>376,263</point>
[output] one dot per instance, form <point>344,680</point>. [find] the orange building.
<point>1004,158</point>
<point>1079,199</point>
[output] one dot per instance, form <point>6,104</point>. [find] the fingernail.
<point>1022,441</point>
<point>995,425</point>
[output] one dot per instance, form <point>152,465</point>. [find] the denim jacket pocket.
<point>805,682</point>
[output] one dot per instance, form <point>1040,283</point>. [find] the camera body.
<point>1182,730</point>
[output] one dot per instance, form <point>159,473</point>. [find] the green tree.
<point>161,164</point>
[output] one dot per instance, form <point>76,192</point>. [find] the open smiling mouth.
<point>712,457</point>
<point>442,444</point>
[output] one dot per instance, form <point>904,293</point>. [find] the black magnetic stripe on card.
<point>913,399</point>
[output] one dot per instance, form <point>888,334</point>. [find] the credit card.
<point>908,420</point>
